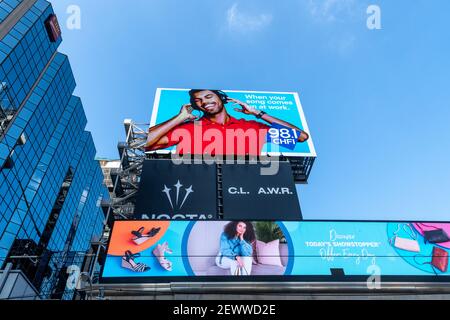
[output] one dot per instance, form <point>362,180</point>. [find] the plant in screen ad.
<point>269,231</point>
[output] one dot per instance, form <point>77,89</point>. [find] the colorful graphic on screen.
<point>147,251</point>
<point>222,122</point>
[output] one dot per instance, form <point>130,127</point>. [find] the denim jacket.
<point>231,248</point>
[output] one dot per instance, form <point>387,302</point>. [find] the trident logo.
<point>178,187</point>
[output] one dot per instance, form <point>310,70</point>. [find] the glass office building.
<point>51,188</point>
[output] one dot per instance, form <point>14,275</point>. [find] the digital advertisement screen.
<point>150,251</point>
<point>223,122</point>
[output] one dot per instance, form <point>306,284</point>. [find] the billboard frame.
<point>332,279</point>
<point>301,163</point>
<point>311,154</point>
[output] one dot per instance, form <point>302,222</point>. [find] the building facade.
<point>51,188</point>
<point>109,167</point>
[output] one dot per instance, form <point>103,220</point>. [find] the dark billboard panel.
<point>170,191</point>
<point>151,251</point>
<point>248,194</point>
<point>225,122</point>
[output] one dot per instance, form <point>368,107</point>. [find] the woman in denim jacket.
<point>236,249</point>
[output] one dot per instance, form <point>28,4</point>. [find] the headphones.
<point>222,95</point>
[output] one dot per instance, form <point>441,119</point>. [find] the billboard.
<point>169,191</point>
<point>249,195</point>
<point>152,251</point>
<point>224,122</point>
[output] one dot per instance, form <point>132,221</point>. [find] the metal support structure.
<point>219,191</point>
<point>132,156</point>
<point>7,108</point>
<point>233,290</point>
<point>301,168</point>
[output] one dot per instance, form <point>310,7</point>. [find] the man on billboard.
<point>215,132</point>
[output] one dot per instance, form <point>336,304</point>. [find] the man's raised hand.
<point>186,113</point>
<point>245,108</point>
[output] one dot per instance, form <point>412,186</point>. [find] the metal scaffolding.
<point>7,108</point>
<point>125,179</point>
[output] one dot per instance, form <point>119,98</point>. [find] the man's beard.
<point>213,113</point>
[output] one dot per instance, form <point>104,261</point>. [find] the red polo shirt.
<point>236,137</point>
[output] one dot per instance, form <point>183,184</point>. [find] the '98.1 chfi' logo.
<point>283,136</point>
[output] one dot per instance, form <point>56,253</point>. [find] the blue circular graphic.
<point>419,260</point>
<point>290,264</point>
<point>184,250</point>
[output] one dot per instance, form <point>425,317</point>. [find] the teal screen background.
<point>314,248</point>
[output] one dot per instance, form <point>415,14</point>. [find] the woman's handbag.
<point>405,243</point>
<point>439,260</point>
<point>437,235</point>
<point>241,271</point>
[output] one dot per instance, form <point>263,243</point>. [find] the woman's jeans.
<point>231,264</point>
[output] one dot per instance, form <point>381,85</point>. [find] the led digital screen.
<point>224,122</point>
<point>150,251</point>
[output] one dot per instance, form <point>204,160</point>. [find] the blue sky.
<point>377,101</point>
